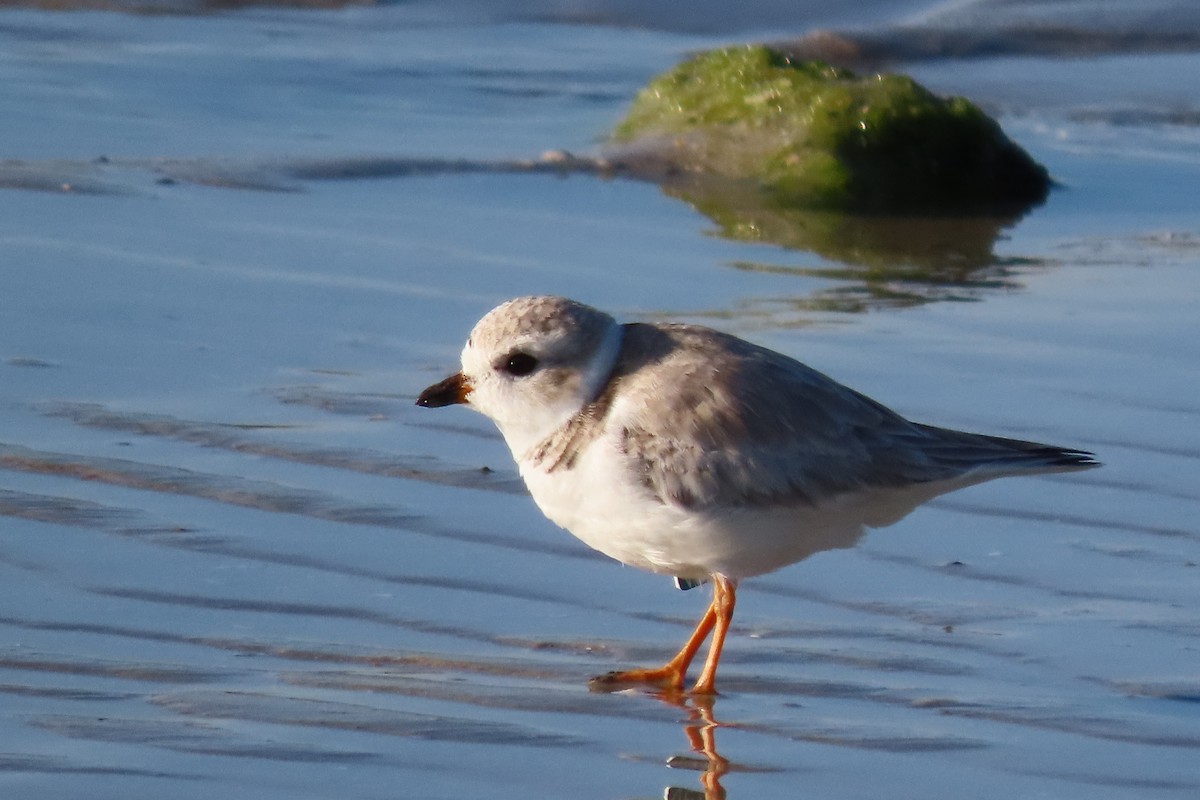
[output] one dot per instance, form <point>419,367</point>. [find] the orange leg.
<point>671,675</point>
<point>724,599</point>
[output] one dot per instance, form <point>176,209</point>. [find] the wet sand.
<point>236,559</point>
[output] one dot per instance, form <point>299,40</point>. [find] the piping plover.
<point>698,455</point>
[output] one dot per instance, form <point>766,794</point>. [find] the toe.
<point>665,678</point>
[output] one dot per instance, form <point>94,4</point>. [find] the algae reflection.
<point>875,172</point>
<point>885,260</point>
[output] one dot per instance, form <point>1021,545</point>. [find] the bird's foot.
<point>667,677</point>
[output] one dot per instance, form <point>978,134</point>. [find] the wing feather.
<point>709,420</point>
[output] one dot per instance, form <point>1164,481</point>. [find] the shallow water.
<point>235,558</point>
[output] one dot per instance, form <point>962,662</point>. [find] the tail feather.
<point>966,453</point>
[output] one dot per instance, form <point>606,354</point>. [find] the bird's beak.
<point>454,389</point>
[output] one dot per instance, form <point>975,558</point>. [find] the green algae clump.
<point>814,136</point>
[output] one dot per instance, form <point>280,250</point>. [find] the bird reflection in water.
<point>700,729</point>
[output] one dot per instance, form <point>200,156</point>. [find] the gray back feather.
<point>719,421</point>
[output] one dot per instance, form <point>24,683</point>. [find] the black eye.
<point>519,364</point>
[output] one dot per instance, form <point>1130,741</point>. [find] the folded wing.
<point>734,424</point>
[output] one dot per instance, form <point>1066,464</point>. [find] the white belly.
<point>600,501</point>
